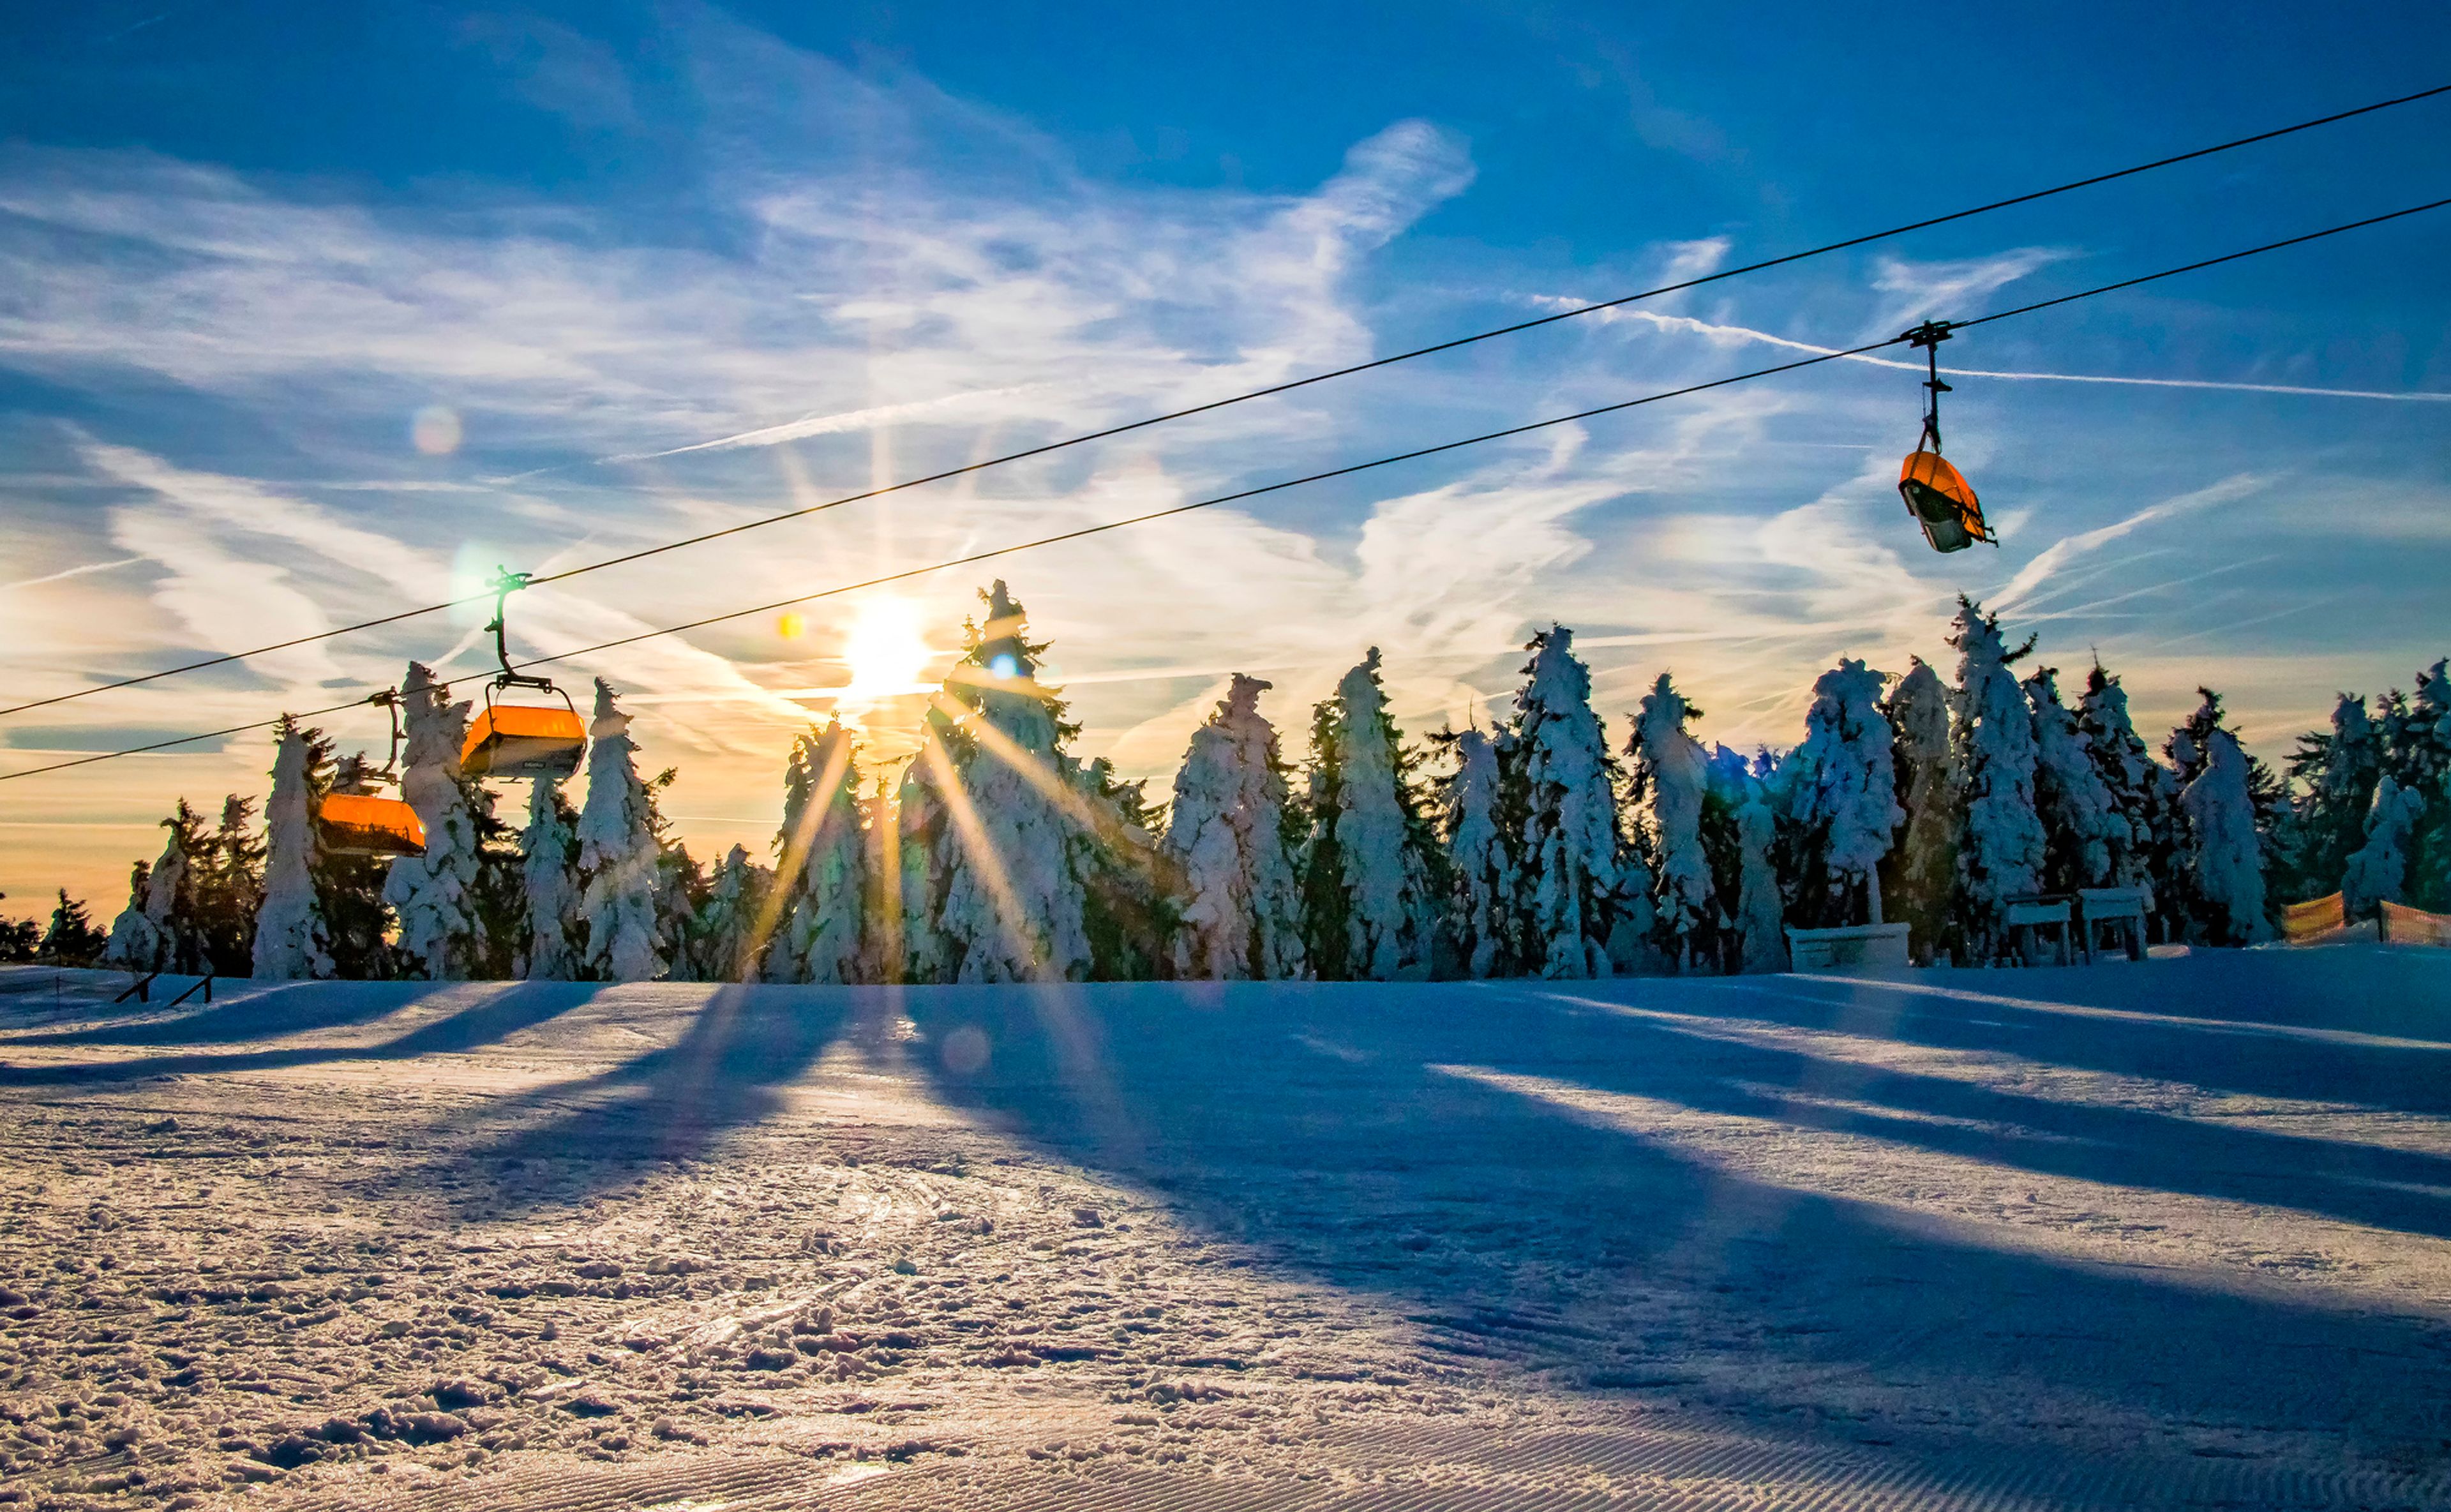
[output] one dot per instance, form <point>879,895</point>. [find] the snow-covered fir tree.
<point>2000,844</point>
<point>434,894</point>
<point>2141,790</point>
<point>1226,833</point>
<point>726,935</point>
<point>2417,753</point>
<point>1369,913</point>
<point>617,854</point>
<point>680,893</point>
<point>1740,834</point>
<point>1477,821</point>
<point>2334,774</point>
<point>1568,851</point>
<point>229,889</point>
<point>291,942</point>
<point>133,942</point>
<point>557,931</point>
<point>2225,851</point>
<point>2376,872</point>
<point>2083,827</point>
<point>991,885</point>
<point>822,883</point>
<point>1842,788</point>
<point>1920,877</point>
<point>349,888</point>
<point>1669,775</point>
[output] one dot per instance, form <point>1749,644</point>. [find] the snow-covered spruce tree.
<point>2224,851</point>
<point>2000,843</point>
<point>2376,872</point>
<point>72,939</point>
<point>2083,827</point>
<point>168,938</point>
<point>557,932</point>
<point>349,888</point>
<point>1842,789</point>
<point>2199,918</point>
<point>1669,773</point>
<point>990,882</point>
<point>230,890</point>
<point>2417,753</point>
<point>2145,795</point>
<point>1919,878</point>
<point>1478,822</point>
<point>1226,833</point>
<point>681,886</point>
<point>1740,835</point>
<point>618,854</point>
<point>1128,907</point>
<point>1568,850</point>
<point>2332,776</point>
<point>1368,896</point>
<point>821,928</point>
<point>435,895</point>
<point>291,942</point>
<point>728,947</point>
<point>133,942</point>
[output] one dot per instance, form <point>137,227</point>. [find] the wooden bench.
<point>2029,917</point>
<point>2120,911</point>
<point>1859,946</point>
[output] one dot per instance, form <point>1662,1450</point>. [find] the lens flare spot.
<point>436,430</point>
<point>791,627</point>
<point>1004,669</point>
<point>966,1050</point>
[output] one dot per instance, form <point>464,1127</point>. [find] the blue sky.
<point>242,246</point>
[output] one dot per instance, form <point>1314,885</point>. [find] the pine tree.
<point>557,932</point>
<point>2376,872</point>
<point>1477,822</point>
<point>1128,909</point>
<point>1920,875</point>
<point>72,940</point>
<point>1240,917</point>
<point>1842,787</point>
<point>682,891</point>
<point>1568,851</point>
<point>2225,851</point>
<point>171,895</point>
<point>726,931</point>
<point>1991,752</point>
<point>822,882</point>
<point>436,895</point>
<point>618,854</point>
<point>2083,826</point>
<point>1367,889</point>
<point>1669,775</point>
<point>290,941</point>
<point>995,892</point>
<point>20,939</point>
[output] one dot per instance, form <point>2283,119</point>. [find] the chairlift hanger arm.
<point>507,582</point>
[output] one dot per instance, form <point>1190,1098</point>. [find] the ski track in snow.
<point>2176,1234</point>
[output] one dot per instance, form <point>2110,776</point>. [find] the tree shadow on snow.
<point>726,1070</point>
<point>1312,1127</point>
<point>267,1013</point>
<point>504,1010</point>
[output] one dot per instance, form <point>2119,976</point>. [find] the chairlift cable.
<point>1271,391</point>
<point>1102,528</point>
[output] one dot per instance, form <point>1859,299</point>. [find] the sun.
<point>885,649</point>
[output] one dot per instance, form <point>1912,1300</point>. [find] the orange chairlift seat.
<point>1937,495</point>
<point>357,821</point>
<point>521,739</point>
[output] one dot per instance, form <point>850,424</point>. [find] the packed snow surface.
<point>2167,1233</point>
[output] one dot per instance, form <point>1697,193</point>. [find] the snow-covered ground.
<point>2166,1234</point>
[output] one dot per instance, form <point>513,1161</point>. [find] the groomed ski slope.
<point>2141,1235</point>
